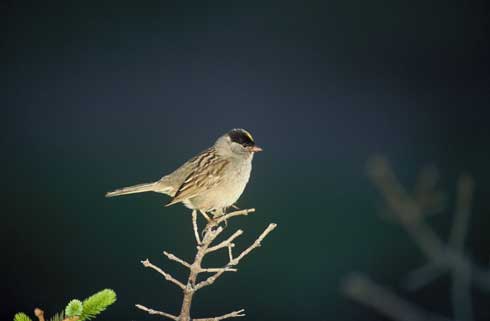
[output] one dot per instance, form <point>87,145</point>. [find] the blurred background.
<point>107,94</point>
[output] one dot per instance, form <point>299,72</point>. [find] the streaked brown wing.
<point>205,176</point>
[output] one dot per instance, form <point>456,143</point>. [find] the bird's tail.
<point>140,188</point>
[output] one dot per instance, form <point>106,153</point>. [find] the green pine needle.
<point>60,316</point>
<point>74,308</point>
<point>21,316</point>
<point>97,303</point>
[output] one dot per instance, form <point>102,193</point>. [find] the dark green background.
<point>99,96</point>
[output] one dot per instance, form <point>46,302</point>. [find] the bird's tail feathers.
<point>140,188</point>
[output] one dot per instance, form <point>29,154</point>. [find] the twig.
<point>210,280</point>
<point>256,244</point>
<point>211,233</point>
<point>151,311</point>
<point>234,261</point>
<point>213,270</point>
<point>226,217</point>
<point>194,226</point>
<point>167,276</point>
<point>230,251</point>
<point>234,314</point>
<point>176,259</point>
<point>225,243</point>
<point>205,216</point>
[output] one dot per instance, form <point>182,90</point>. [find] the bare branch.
<point>167,276</point>
<point>226,217</point>
<point>230,251</point>
<point>194,226</point>
<point>225,243</point>
<point>234,314</point>
<point>210,280</point>
<point>176,259</point>
<point>211,231</point>
<point>151,311</point>
<point>256,244</point>
<point>206,216</point>
<point>214,270</point>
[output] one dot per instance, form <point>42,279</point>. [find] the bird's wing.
<point>206,174</point>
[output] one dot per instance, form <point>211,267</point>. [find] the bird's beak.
<point>255,149</point>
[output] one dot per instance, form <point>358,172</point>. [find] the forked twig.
<point>204,246</point>
<point>167,276</point>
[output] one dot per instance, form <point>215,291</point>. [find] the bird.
<point>211,181</point>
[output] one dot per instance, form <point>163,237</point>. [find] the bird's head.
<point>237,142</point>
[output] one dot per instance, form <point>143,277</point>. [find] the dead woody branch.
<point>205,246</point>
<point>363,290</point>
<point>410,211</point>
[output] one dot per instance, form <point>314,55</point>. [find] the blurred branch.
<point>204,246</point>
<point>361,289</point>
<point>429,199</point>
<point>410,212</point>
<point>461,287</point>
<point>423,275</point>
<point>463,212</point>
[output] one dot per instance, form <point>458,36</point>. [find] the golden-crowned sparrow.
<point>211,181</point>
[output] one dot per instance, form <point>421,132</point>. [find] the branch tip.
<point>151,311</point>
<point>234,314</point>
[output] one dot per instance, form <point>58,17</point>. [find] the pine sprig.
<point>21,316</point>
<point>97,303</point>
<point>60,316</point>
<point>74,308</point>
